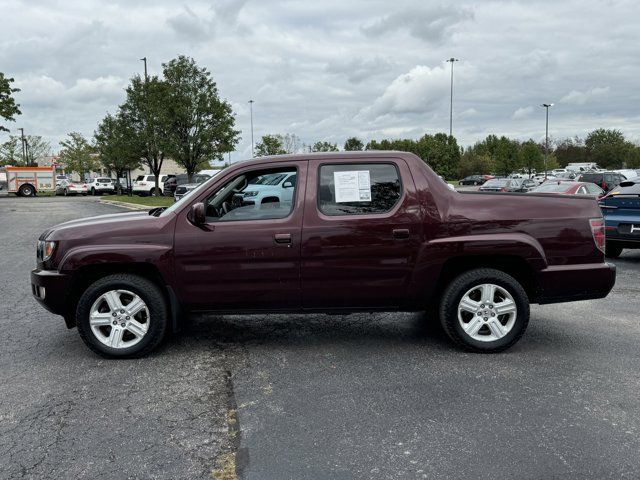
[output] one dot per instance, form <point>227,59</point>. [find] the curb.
<point>130,206</point>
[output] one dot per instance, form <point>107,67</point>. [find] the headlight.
<point>250,194</point>
<point>45,250</point>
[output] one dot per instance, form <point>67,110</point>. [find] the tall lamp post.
<point>452,61</point>
<point>546,137</point>
<point>144,59</point>
<point>251,110</point>
<point>22,141</point>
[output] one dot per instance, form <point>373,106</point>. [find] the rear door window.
<point>358,188</point>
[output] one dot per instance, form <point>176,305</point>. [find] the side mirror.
<point>197,215</point>
<point>287,184</point>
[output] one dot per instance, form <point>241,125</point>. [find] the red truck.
<point>351,232</point>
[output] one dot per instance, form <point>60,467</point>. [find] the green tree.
<point>116,144</point>
<point>531,157</point>
<point>147,112</point>
<point>8,106</point>
<point>77,154</point>
<point>353,144</point>
<point>323,147</point>
<point>270,145</point>
<point>607,148</point>
<point>570,150</point>
<point>11,152</point>
<point>201,124</point>
<point>507,156</point>
<point>472,163</point>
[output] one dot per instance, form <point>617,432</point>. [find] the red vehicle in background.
<point>567,187</point>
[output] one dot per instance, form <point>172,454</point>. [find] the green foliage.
<point>607,148</point>
<point>472,163</point>
<point>200,127</point>
<point>116,143</point>
<point>77,155</point>
<point>353,144</point>
<point>570,150</point>
<point>323,147</point>
<point>439,151</point>
<point>270,145</point>
<point>146,113</point>
<point>8,106</point>
<point>532,158</point>
<point>11,152</point>
<point>36,147</point>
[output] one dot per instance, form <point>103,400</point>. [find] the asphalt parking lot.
<point>314,397</point>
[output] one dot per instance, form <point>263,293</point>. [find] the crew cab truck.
<point>361,231</point>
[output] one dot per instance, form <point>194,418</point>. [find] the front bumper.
<point>568,283</point>
<point>50,289</point>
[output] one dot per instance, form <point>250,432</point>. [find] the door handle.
<point>282,238</point>
<point>401,233</point>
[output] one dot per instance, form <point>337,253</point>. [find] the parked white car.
<point>275,187</point>
<point>627,172</point>
<point>100,185</point>
<point>145,184</point>
<point>67,187</point>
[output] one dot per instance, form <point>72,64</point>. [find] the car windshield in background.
<point>139,178</point>
<point>187,195</point>
<point>499,182</point>
<point>274,179</point>
<point>551,187</point>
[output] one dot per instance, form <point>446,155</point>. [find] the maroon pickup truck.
<point>340,232</point>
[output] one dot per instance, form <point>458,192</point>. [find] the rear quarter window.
<point>358,188</point>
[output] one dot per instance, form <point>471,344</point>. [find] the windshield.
<point>187,196</point>
<point>496,183</point>
<point>273,179</point>
<point>139,178</point>
<point>551,187</point>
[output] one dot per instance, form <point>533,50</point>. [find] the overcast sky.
<point>331,69</point>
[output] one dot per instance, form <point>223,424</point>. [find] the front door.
<point>360,235</point>
<point>247,256</point>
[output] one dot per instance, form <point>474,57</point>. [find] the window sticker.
<point>353,186</point>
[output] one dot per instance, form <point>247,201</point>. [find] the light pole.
<point>144,59</point>
<point>452,61</point>
<point>251,109</point>
<point>24,156</point>
<point>546,137</point>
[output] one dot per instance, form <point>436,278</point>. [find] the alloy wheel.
<point>487,312</point>
<point>119,319</point>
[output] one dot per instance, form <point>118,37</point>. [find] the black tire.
<point>460,286</point>
<point>27,191</point>
<point>65,192</point>
<point>612,250</point>
<point>152,296</point>
<point>93,191</point>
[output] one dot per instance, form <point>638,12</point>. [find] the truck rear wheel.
<point>27,191</point>
<point>484,310</point>
<point>612,250</point>
<point>122,316</point>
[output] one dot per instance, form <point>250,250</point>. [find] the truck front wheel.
<point>484,310</point>
<point>122,316</point>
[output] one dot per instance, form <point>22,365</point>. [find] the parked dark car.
<point>605,180</point>
<point>504,185</point>
<point>621,209</point>
<point>361,231</point>
<point>172,183</point>
<point>474,180</point>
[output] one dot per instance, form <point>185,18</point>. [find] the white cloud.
<point>575,97</point>
<point>522,112</point>
<point>417,91</point>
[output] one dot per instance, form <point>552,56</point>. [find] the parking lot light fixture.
<point>251,110</point>
<point>451,60</point>
<point>546,138</point>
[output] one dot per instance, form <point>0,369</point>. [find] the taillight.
<point>71,185</point>
<point>503,189</point>
<point>597,230</point>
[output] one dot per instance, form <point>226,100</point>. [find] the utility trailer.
<point>27,181</point>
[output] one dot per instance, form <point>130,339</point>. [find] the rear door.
<point>360,233</point>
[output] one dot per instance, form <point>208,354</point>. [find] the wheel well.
<point>85,276</point>
<point>515,266</point>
